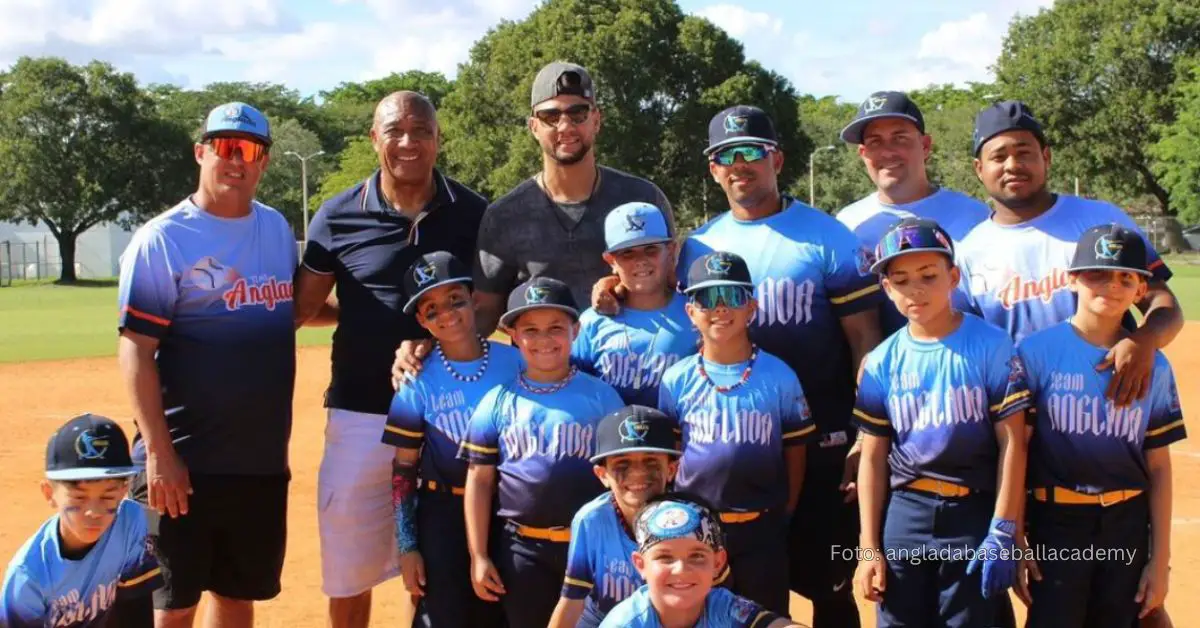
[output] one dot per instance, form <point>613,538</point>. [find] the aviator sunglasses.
<point>250,150</point>
<point>749,152</point>
<point>577,114</point>
<point>732,297</point>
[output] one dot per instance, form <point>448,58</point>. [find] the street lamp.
<point>811,187</point>
<point>304,183</point>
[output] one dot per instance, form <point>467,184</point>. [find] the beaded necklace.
<point>745,374</point>
<point>483,344</point>
<point>612,498</point>
<point>547,389</point>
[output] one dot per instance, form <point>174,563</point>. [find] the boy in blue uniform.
<point>1100,473</point>
<point>636,457</point>
<point>90,564</point>
<point>632,349</point>
<point>745,425</point>
<point>941,405</point>
<point>680,550</point>
<point>533,437</point>
<point>427,422</point>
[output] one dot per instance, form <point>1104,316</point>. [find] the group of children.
<point>641,469</point>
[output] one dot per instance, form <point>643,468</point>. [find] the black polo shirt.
<point>366,245</point>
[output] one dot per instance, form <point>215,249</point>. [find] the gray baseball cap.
<point>561,78</point>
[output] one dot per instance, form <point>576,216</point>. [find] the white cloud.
<point>740,23</point>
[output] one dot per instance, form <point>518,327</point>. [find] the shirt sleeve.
<point>580,577</point>
<point>495,271</point>
<point>851,285</point>
<point>140,574</point>
<point>1033,384</point>
<point>22,602</point>
<point>405,426</point>
<point>1166,413</point>
<point>870,406</point>
<point>796,421</point>
<point>482,444</point>
<point>735,611</point>
<point>1007,388</point>
<point>582,355</point>
<point>319,255</point>
<point>148,287</point>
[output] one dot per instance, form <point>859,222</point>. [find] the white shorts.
<point>354,505</point>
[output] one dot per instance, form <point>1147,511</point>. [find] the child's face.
<point>644,269</point>
<point>86,508</point>
<point>722,322</point>
<point>636,477</point>
<point>920,284</point>
<point>544,337</point>
<point>1108,293</point>
<point>447,312</point>
<point>679,572</point>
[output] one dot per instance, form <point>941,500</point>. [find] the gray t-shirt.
<point>525,234</point>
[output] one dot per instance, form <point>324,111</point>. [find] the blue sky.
<point>845,48</point>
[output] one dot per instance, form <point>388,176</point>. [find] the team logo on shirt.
<point>266,291</point>
<point>735,124</point>
<point>864,258</point>
<point>1010,288</point>
<point>1108,248</point>
<point>89,446</point>
<point>208,273</point>
<point>1016,369</point>
<point>1174,406</point>
<point>536,294</point>
<point>633,430</point>
<point>425,273</point>
<point>741,609</point>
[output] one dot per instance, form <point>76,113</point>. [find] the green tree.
<point>280,186</point>
<point>839,176</point>
<point>84,146</point>
<point>949,114</point>
<point>354,164</point>
<point>1178,152</point>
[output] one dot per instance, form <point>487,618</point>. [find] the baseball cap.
<point>89,447</point>
<point>561,78</point>
<point>537,293</point>
<point>882,105</point>
<point>718,269</point>
<point>635,429</point>
<point>634,224</point>
<point>430,271</point>
<point>1110,247</point>
<point>237,117</point>
<point>911,235</point>
<point>1010,115</point>
<point>676,516</point>
<point>740,124</point>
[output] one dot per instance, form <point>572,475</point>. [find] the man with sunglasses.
<point>363,241</point>
<point>207,352</point>
<point>818,312</point>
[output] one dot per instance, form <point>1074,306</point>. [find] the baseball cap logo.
<point>633,224</point>
<point>718,264</point>
<point>425,273</point>
<point>735,124</point>
<point>874,103</point>
<point>1108,248</point>
<point>633,431</point>
<point>90,447</point>
<point>671,518</point>
<point>536,294</point>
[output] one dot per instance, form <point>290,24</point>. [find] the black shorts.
<point>231,542</point>
<point>824,529</point>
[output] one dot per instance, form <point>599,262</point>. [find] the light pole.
<point>812,189</point>
<point>304,183</point>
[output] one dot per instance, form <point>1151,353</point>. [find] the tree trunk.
<point>66,249</point>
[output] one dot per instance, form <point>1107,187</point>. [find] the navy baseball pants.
<point>532,571</point>
<point>758,560</point>
<point>449,600</point>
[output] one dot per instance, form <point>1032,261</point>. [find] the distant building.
<point>30,251</point>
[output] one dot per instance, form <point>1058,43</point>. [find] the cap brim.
<point>92,473</point>
<point>629,244</point>
<point>635,450</point>
<point>512,314</point>
<point>853,132</point>
<point>1141,271</point>
<point>411,305</point>
<point>741,139</point>
<point>236,133</point>
<point>717,282</point>
<point>879,265</point>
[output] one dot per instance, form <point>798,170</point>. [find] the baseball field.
<point>56,361</point>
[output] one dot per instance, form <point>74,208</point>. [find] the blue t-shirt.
<point>434,410</point>
<point>599,562</point>
<point>41,588</point>
<point>1081,441</point>
<point>733,441</point>
<point>938,402</point>
<point>217,294</point>
<point>722,609</point>
<point>870,218</point>
<point>632,350</point>
<point>541,444</point>
<point>808,270</point>
<point>1015,276</point>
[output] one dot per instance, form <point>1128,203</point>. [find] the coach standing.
<point>207,353</point>
<point>363,241</point>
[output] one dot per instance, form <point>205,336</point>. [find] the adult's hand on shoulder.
<point>607,295</point>
<point>1133,361</point>
<point>410,357</point>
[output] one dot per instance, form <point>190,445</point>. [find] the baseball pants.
<point>449,600</point>
<point>758,560</point>
<point>532,571</point>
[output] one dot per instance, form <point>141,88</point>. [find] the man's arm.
<point>795,458</point>
<point>310,298</point>
<point>489,306</point>
<point>862,333</point>
<point>567,613</point>
<point>1133,357</point>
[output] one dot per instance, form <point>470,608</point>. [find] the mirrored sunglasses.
<point>226,147</point>
<point>749,152</point>
<point>912,237</point>
<point>733,297</point>
<point>577,114</point>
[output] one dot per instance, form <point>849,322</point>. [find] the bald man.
<point>361,242</point>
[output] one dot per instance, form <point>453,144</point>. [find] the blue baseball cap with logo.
<point>89,447</point>
<point>237,118</point>
<point>635,429</point>
<point>634,224</point>
<point>1010,115</point>
<point>718,269</point>
<point>1111,247</point>
<point>539,292</point>
<point>878,106</point>
<point>741,124</point>
<point>430,271</point>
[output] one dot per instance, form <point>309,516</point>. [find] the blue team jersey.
<point>599,562</point>
<point>938,402</point>
<point>632,350</point>
<point>433,411</point>
<point>541,444</point>
<point>722,609</point>
<point>1015,276</point>
<point>809,270</point>
<point>870,218</point>
<point>217,294</point>
<point>733,441</point>
<point>1081,441</point>
<point>41,588</point>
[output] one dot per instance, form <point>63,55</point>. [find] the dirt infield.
<point>39,396</point>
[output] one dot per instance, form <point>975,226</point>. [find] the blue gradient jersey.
<point>809,270</point>
<point>41,588</point>
<point>722,609</point>
<point>541,444</point>
<point>217,293</point>
<point>434,410</point>
<point>733,441</point>
<point>632,350</point>
<point>1081,441</point>
<point>938,402</point>
<point>870,218</point>
<point>1015,276</point>
<point>599,561</point>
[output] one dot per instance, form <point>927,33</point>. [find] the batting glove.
<point>997,558</point>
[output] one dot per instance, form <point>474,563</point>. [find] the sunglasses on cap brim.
<point>913,239</point>
<point>749,153</point>
<point>709,298</point>
<point>250,150</point>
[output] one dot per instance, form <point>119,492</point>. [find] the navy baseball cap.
<point>537,293</point>
<point>237,118</point>
<point>741,124</point>
<point>430,271</point>
<point>635,429</point>
<point>634,224</point>
<point>89,447</point>
<point>1010,115</point>
<point>911,235</point>
<point>561,78</point>
<point>718,269</point>
<point>881,105</point>
<point>1111,247</point>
